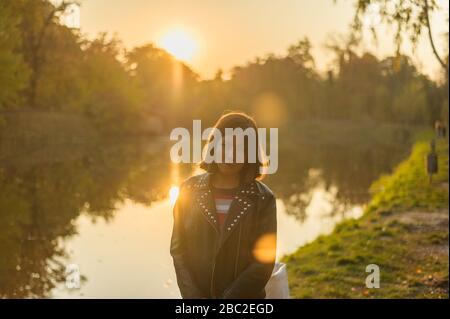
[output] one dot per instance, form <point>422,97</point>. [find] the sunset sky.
<point>222,34</point>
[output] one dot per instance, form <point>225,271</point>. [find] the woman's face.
<point>229,155</point>
<point>230,168</point>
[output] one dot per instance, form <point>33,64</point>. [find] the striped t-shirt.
<point>223,198</point>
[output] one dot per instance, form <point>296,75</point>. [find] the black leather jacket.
<point>233,262</point>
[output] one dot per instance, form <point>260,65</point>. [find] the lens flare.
<point>173,194</point>
<point>264,250</point>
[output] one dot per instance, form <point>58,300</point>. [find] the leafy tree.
<point>44,38</point>
<point>14,72</point>
<point>110,98</point>
<point>168,84</point>
<point>410,17</point>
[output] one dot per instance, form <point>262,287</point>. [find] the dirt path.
<point>432,228</point>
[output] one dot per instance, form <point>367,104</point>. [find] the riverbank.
<point>404,231</point>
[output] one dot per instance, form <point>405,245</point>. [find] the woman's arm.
<point>255,277</point>
<point>188,288</point>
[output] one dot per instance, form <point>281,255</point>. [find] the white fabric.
<point>278,287</point>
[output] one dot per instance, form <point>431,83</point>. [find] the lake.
<point>105,209</point>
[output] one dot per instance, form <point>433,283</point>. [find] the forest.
<point>48,67</point>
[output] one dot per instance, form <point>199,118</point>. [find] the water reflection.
<point>125,257</point>
<point>107,208</point>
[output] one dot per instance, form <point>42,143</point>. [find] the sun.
<point>180,44</point>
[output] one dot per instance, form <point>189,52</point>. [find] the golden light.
<point>173,194</point>
<point>264,249</point>
<point>179,43</point>
<point>269,110</point>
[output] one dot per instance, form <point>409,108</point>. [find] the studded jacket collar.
<point>246,196</point>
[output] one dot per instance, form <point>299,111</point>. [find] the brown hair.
<point>250,171</point>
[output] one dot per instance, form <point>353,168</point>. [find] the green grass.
<point>404,231</point>
<point>409,187</point>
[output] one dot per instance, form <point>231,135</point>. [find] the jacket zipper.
<point>213,295</point>
<point>238,251</point>
<point>211,286</point>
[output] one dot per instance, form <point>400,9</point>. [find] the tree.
<point>110,98</point>
<point>168,84</point>
<point>301,53</point>
<point>39,18</point>
<point>14,72</point>
<point>411,18</point>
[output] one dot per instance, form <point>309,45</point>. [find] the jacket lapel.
<point>243,203</point>
<point>205,201</point>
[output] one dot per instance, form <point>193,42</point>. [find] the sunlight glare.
<point>173,194</point>
<point>180,44</point>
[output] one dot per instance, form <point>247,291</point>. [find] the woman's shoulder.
<point>194,181</point>
<point>267,200</point>
<point>264,190</point>
<point>189,186</point>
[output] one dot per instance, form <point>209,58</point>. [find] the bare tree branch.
<point>430,36</point>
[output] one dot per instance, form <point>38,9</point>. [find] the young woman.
<point>224,234</point>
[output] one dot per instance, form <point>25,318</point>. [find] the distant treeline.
<point>47,66</point>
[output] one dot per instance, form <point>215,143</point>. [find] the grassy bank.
<point>404,231</point>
